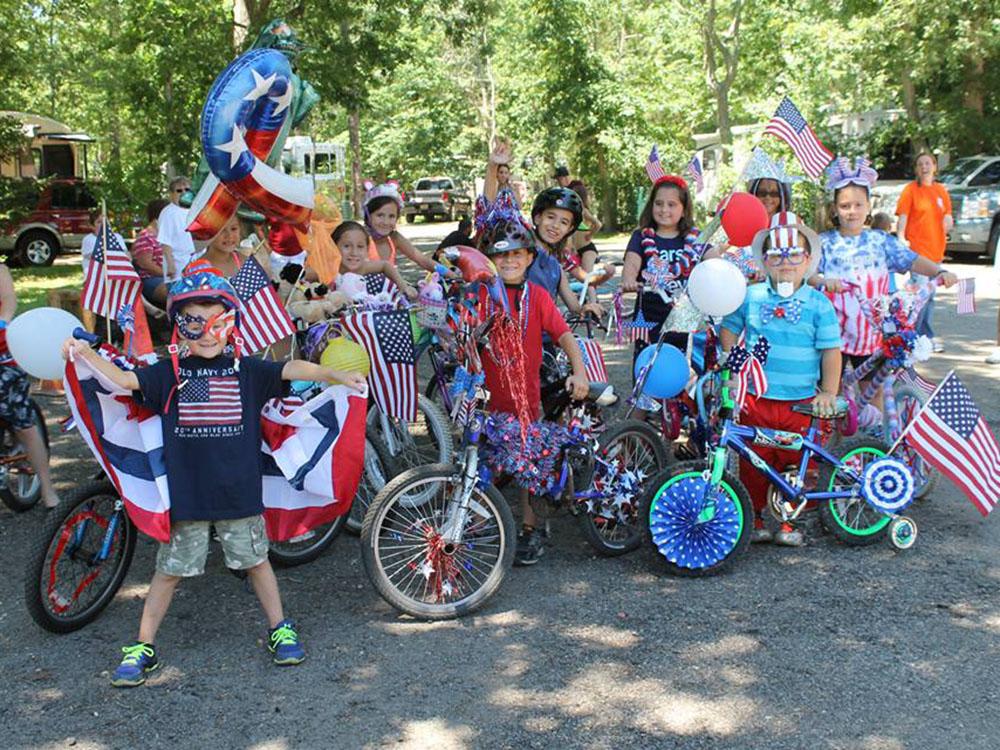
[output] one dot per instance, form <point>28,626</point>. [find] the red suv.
<point>59,221</point>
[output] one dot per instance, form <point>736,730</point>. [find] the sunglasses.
<point>791,255</point>
<point>768,194</point>
<point>184,190</point>
<point>193,327</point>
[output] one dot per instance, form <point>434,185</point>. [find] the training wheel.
<point>903,532</point>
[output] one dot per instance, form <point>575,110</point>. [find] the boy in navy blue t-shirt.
<point>210,406</point>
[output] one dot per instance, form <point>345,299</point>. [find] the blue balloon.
<point>669,373</point>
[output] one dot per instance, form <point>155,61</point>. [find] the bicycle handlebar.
<point>84,335</point>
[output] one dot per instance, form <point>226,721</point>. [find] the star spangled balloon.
<point>693,524</point>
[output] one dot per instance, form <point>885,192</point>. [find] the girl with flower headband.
<point>660,256</point>
<point>857,262</point>
<point>382,208</point>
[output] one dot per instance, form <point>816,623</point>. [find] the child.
<point>857,262</point>
<point>382,207</point>
<point>212,462</point>
<point>556,215</point>
<point>801,327</point>
<point>666,236</point>
<point>534,312</point>
<point>353,242</point>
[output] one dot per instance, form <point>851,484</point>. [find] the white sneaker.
<point>994,358</point>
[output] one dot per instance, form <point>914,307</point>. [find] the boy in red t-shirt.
<point>513,250</point>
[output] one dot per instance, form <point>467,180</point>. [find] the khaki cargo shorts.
<point>244,545</point>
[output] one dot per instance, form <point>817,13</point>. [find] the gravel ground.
<point>820,647</point>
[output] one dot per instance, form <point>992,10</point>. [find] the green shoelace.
<point>134,654</point>
<point>284,635</point>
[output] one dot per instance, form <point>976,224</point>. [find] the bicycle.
<point>448,554</point>
<point>698,513</point>
<point>20,488</point>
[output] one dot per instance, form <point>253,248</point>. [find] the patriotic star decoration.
<point>234,147</point>
<point>261,86</point>
<point>790,310</point>
<point>283,100</point>
<point>660,272</point>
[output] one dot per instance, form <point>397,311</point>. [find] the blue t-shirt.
<point>806,324</point>
<point>211,432</point>
<point>545,271</point>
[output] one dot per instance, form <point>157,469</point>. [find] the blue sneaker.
<point>140,658</point>
<point>283,642</point>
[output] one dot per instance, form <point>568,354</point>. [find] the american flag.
<point>264,319</point>
<point>637,332</point>
<point>123,283</point>
<point>952,436</point>
<point>913,378</point>
<point>789,125</point>
<point>694,169</point>
<point>377,283</point>
<point>748,367</point>
<point>209,401</point>
<point>966,296</point>
<point>653,168</point>
<point>593,360</point>
<point>388,339</point>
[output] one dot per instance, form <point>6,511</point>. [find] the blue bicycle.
<point>699,515</point>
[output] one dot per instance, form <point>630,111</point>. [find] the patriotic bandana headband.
<point>840,174</point>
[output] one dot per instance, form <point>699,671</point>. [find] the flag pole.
<point>919,413</point>
<point>104,270</point>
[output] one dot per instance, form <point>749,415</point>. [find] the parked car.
<point>438,196</point>
<point>58,221</point>
<point>974,186</point>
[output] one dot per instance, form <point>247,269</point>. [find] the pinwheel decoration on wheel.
<point>887,485</point>
<point>693,523</point>
<point>242,117</point>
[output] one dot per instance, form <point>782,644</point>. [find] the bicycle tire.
<point>869,525</point>
<point>598,530</point>
<point>381,523</point>
<point>374,478</point>
<point>439,448</point>
<point>80,510</point>
<point>19,501</point>
<point>925,476</point>
<point>698,547</point>
<point>309,546</point>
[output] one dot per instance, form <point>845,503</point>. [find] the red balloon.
<point>473,264</point>
<point>742,217</point>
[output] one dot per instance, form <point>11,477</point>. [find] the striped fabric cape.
<point>312,453</point>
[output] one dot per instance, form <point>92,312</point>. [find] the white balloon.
<point>717,287</point>
<point>35,340</point>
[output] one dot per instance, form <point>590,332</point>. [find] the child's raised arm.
<point>74,348</point>
<point>406,248</point>
<point>299,369</point>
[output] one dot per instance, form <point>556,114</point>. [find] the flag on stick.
<point>694,169</point>
<point>653,167</point>
<point>111,281</point>
<point>966,296</point>
<point>264,319</point>
<point>388,339</point>
<point>593,360</point>
<point>789,125</point>
<point>951,435</point>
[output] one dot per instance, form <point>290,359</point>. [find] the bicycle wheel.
<point>427,440</point>
<point>20,488</point>
<point>852,520</point>
<point>409,563</point>
<point>83,554</point>
<point>373,479</point>
<point>909,401</point>
<point>306,547</point>
<point>697,529</point>
<point>628,455</point>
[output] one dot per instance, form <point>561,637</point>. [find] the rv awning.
<point>75,137</point>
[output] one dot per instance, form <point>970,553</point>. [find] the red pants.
<point>777,415</point>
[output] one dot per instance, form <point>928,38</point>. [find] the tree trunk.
<point>918,143</point>
<point>168,100</point>
<point>607,211</point>
<point>241,24</point>
<point>354,135</point>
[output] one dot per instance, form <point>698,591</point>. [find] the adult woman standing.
<point>924,211</point>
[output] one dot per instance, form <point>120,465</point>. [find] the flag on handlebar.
<point>388,339</point>
<point>593,360</point>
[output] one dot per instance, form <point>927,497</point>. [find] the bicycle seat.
<point>602,394</point>
<point>839,413</point>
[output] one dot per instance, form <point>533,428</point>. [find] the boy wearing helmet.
<point>210,405</point>
<point>803,364</point>
<point>511,248</point>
